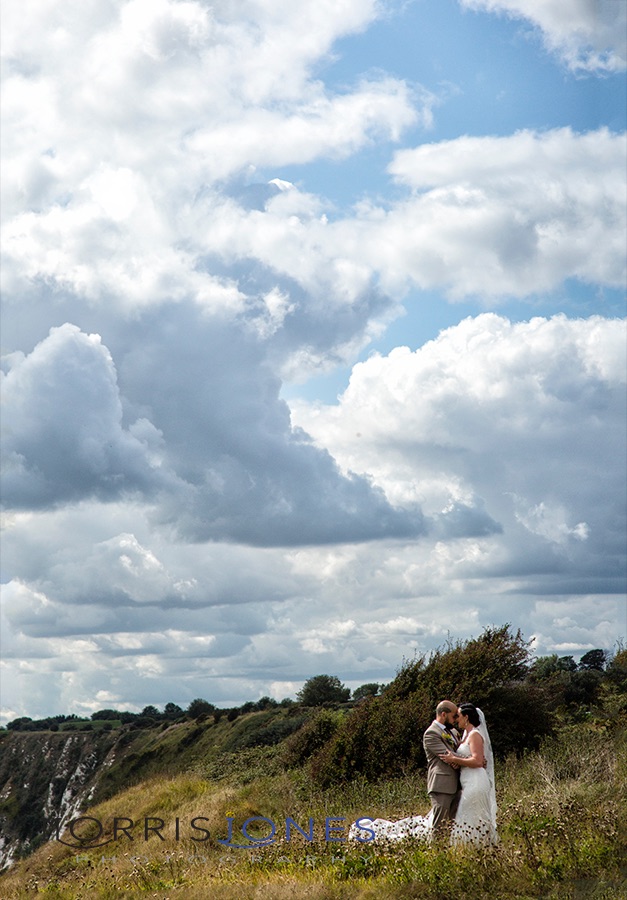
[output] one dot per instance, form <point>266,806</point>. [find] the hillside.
<point>47,778</point>
<point>562,825</point>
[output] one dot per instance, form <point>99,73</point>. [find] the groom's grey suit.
<point>442,780</point>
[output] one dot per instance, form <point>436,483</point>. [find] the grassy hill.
<point>562,824</point>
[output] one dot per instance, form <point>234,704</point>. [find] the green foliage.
<point>311,737</point>
<point>520,716</point>
<point>199,707</point>
<point>263,730</point>
<point>465,670</point>
<point>371,689</point>
<point>384,737</point>
<point>616,671</point>
<point>593,659</point>
<point>266,703</point>
<point>582,690</point>
<point>172,711</point>
<point>322,689</point>
<point>546,666</point>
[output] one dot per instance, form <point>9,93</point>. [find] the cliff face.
<point>45,779</point>
<point>49,778</point>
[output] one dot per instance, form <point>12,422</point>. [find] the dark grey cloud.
<point>64,438</point>
<point>195,426</point>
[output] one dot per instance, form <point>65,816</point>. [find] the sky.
<point>313,340</point>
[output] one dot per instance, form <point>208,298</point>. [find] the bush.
<point>199,707</point>
<point>466,670</point>
<point>311,737</point>
<point>366,690</point>
<point>384,736</point>
<point>263,730</point>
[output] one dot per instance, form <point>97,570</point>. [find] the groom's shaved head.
<point>446,706</point>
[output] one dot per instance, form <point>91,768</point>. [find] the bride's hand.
<point>450,759</point>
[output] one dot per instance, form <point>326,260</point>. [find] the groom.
<point>442,778</point>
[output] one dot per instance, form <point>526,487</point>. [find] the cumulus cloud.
<point>486,216</point>
<point>173,97</point>
<point>587,35</point>
<point>66,440</point>
<point>523,423</point>
<point>219,460</point>
<point>509,215</point>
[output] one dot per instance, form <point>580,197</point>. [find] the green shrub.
<point>310,737</point>
<point>383,737</point>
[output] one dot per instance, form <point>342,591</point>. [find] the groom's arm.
<point>435,746</point>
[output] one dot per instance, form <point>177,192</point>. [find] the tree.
<point>616,670</point>
<point>371,689</point>
<point>105,714</point>
<point>266,703</point>
<point>172,711</point>
<point>21,724</point>
<point>384,736</point>
<point>199,707</point>
<point>323,689</point>
<point>593,659</point>
<point>546,666</point>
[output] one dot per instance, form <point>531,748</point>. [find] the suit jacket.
<point>441,778</point>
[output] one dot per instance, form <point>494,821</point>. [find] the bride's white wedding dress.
<point>475,820</point>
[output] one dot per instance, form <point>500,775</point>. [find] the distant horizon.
<point>236,704</point>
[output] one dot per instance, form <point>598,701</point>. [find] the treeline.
<point>150,716</point>
<point>524,701</point>
<point>320,690</point>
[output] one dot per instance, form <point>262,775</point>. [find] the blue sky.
<point>313,346</point>
<point>491,76</point>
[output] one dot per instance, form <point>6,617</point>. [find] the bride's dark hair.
<point>470,710</point>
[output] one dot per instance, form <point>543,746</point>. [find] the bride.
<point>475,819</point>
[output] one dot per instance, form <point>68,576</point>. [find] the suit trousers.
<point>444,808</point>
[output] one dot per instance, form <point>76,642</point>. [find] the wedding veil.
<point>487,749</point>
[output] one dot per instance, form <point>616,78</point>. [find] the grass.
<point>562,825</point>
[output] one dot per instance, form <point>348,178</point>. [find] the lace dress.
<point>475,821</point>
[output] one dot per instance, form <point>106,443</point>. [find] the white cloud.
<point>100,173</point>
<point>522,424</point>
<point>508,215</point>
<point>486,216</point>
<point>588,35</point>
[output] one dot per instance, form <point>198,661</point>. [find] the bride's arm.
<point>476,760</point>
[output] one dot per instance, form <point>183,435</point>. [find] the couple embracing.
<point>460,776</point>
<point>460,782</point>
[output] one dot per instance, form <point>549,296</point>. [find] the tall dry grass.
<point>562,825</point>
